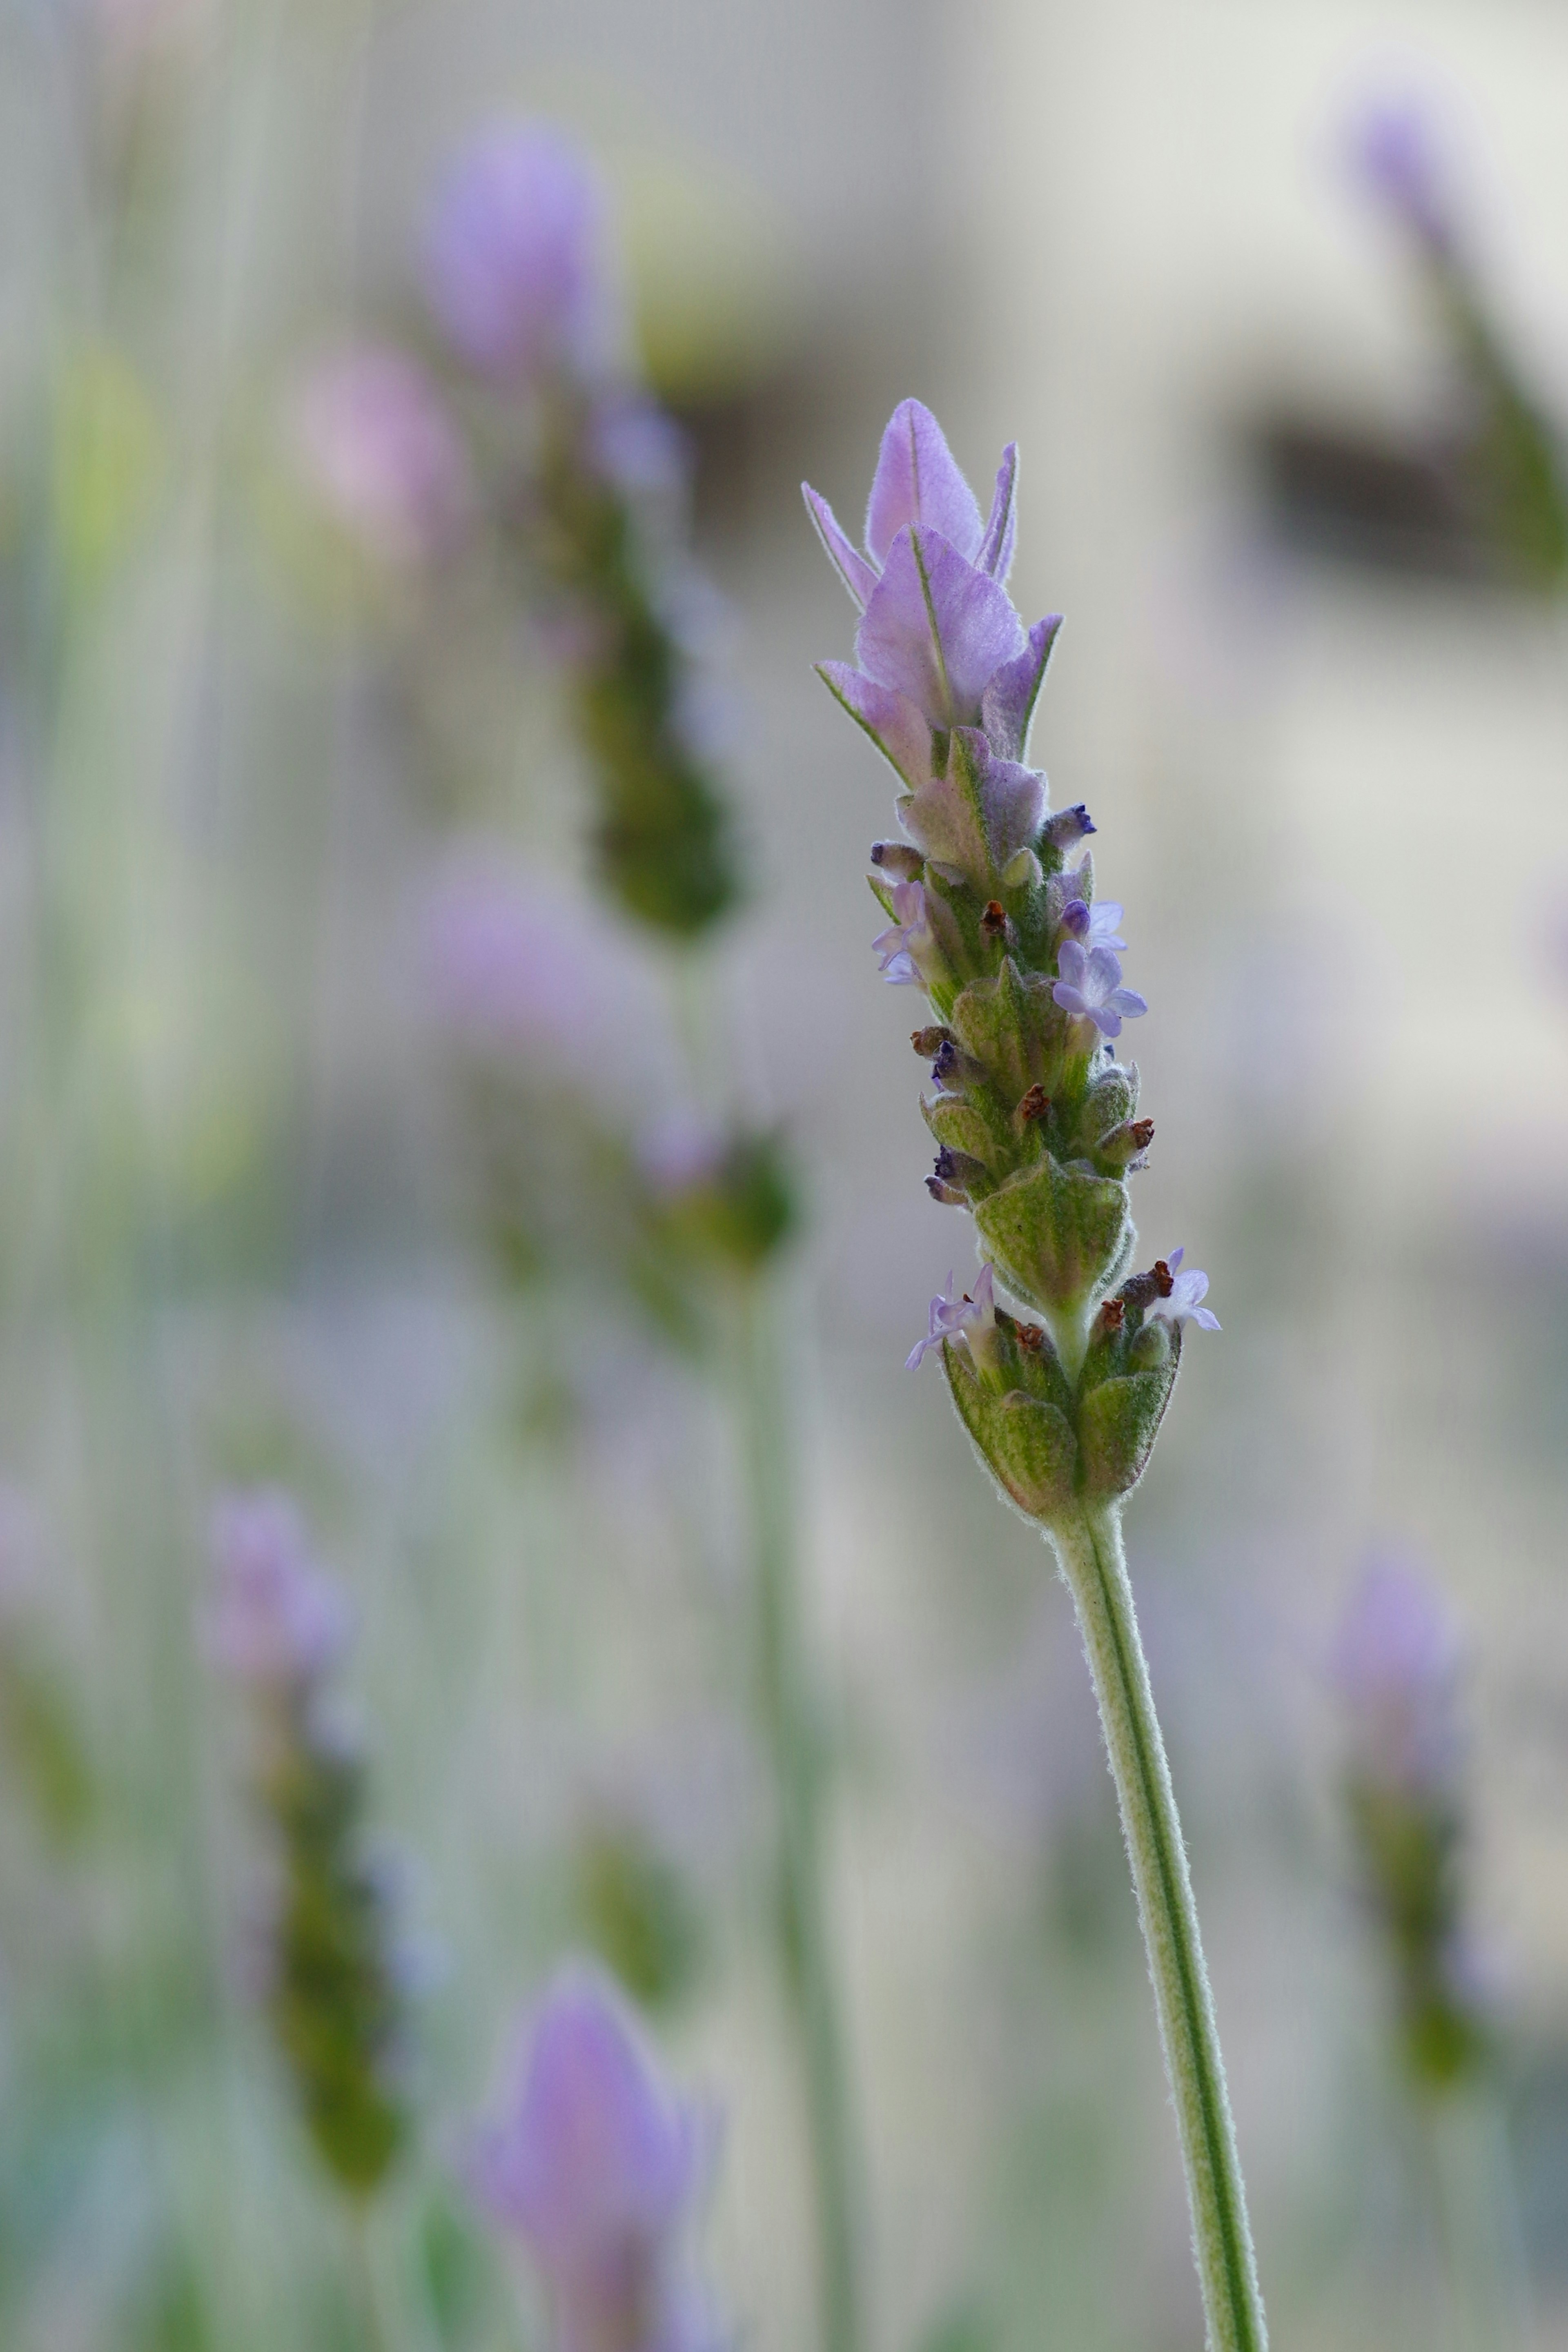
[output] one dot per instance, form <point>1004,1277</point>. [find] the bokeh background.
<point>1324,734</point>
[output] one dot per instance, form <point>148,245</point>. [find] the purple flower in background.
<point>1188,1291</point>
<point>593,2163</point>
<point>1395,1662</point>
<point>274,1620</point>
<point>909,939</point>
<point>1397,155</point>
<point>371,436</point>
<point>523,969</point>
<point>971,1318</point>
<point>1090,988</point>
<point>515,265</point>
<point>1097,925</point>
<point>940,644</point>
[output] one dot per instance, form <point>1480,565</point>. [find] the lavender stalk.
<point>276,1628</point>
<point>1037,1131</point>
<point>518,278</point>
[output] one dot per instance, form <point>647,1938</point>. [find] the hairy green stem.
<point>1088,1547</point>
<point>788,1704</point>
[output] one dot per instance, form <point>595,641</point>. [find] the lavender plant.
<point>278,1627</point>
<point>1396,1666</point>
<point>518,280</point>
<point>518,276</point>
<point>1037,1131</point>
<point>1508,463</point>
<point>596,2168</point>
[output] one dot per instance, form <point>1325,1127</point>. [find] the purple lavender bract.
<point>595,2166</point>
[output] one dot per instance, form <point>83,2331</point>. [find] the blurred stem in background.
<point>1396,1666</point>
<point>789,1708</point>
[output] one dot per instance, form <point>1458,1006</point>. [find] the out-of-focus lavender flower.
<point>1397,155</point>
<point>515,262</point>
<point>1096,925</point>
<point>370,434</point>
<point>1395,1662</point>
<point>522,968</point>
<point>1090,988</point>
<point>971,1318</point>
<point>595,2164</point>
<point>274,1621</point>
<point>1185,1302</point>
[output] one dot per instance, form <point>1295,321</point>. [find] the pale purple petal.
<point>917,481</point>
<point>1013,799</point>
<point>1071,1000</point>
<point>1007,702</point>
<point>1072,962</point>
<point>1205,1319</point>
<point>1106,1020</point>
<point>858,576</point>
<point>936,629</point>
<point>1189,1287</point>
<point>1105,924</point>
<point>1127,1003</point>
<point>892,721</point>
<point>996,554</point>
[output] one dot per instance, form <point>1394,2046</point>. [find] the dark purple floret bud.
<point>897,858</point>
<point>1067,825</point>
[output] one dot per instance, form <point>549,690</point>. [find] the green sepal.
<point>961,1126</point>
<point>1118,1423</point>
<point>1058,1234</point>
<point>1012,1027</point>
<point>1026,1444</point>
<point>1110,1101</point>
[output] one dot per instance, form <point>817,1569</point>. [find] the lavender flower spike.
<point>1188,1292</point>
<point>1090,988</point>
<point>595,2166</point>
<point>1038,1134</point>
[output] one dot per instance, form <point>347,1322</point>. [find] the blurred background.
<point>1316,696</point>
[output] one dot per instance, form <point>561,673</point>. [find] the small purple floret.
<point>1188,1292</point>
<point>1398,157</point>
<point>1096,926</point>
<point>958,1318</point>
<point>907,938</point>
<point>1090,988</point>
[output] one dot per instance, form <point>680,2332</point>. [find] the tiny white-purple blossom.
<point>1096,925</point>
<point>906,938</point>
<point>965,1317</point>
<point>1189,1289</point>
<point>1090,988</point>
